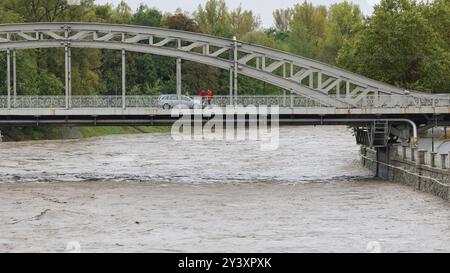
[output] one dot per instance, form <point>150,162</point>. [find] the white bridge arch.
<point>325,84</point>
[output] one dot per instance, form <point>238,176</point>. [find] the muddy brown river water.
<point>149,193</point>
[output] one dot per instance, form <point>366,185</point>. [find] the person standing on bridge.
<point>210,96</point>
<point>202,96</point>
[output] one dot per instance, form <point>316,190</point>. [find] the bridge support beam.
<point>179,78</point>
<point>319,80</point>
<point>8,77</point>
<point>284,90</point>
<point>124,79</point>
<point>68,76</point>
<point>14,78</point>
<point>231,86</point>
<point>383,160</point>
<point>68,67</point>
<point>235,55</point>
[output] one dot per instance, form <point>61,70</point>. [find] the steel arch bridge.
<point>316,89</point>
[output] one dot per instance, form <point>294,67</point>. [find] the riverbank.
<point>60,133</point>
<point>419,169</point>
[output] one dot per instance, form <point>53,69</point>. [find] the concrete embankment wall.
<point>422,170</point>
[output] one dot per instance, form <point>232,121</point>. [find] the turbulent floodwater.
<point>150,193</point>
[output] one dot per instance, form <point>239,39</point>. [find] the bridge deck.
<point>158,116</point>
<point>99,110</point>
<point>155,111</point>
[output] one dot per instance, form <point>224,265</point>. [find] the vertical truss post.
<point>292,69</point>
<point>179,78</point>
<point>66,76</point>
<point>68,67</point>
<point>376,99</point>
<point>231,86</point>
<point>8,76</point>
<point>319,80</point>
<point>178,72</point>
<point>347,91</point>
<point>292,76</point>
<point>124,75</point>
<point>284,90</point>
<point>14,78</point>
<point>235,69</point>
<point>311,79</point>
<point>124,79</point>
<point>70,77</point>
<point>292,100</point>
<point>338,88</point>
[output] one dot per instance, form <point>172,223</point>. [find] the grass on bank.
<point>53,133</point>
<point>113,130</point>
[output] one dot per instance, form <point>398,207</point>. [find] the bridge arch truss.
<point>320,82</point>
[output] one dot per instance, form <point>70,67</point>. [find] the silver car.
<point>172,101</point>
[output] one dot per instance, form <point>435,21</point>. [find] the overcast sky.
<point>262,7</point>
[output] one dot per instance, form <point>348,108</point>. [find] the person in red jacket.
<point>210,96</point>
<point>202,96</point>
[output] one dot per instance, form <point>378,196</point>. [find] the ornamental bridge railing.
<point>293,101</point>
<point>29,102</point>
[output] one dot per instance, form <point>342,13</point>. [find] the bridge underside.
<point>373,127</point>
<point>155,117</point>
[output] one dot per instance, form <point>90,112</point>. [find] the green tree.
<point>122,13</point>
<point>243,21</point>
<point>40,11</point>
<point>181,21</point>
<point>283,19</point>
<point>438,14</point>
<point>283,22</point>
<point>399,46</point>
<point>261,38</point>
<point>103,13</point>
<point>146,16</point>
<point>8,16</point>
<point>213,18</point>
<point>308,30</point>
<point>344,21</point>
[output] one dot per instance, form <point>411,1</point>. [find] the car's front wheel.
<point>166,106</point>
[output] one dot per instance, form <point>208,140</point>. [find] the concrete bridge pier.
<point>382,162</point>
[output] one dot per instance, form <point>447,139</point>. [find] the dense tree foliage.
<point>404,42</point>
<point>400,44</point>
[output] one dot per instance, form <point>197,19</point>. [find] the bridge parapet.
<point>25,102</point>
<point>388,102</point>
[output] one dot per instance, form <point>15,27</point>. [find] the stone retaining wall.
<point>419,169</point>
